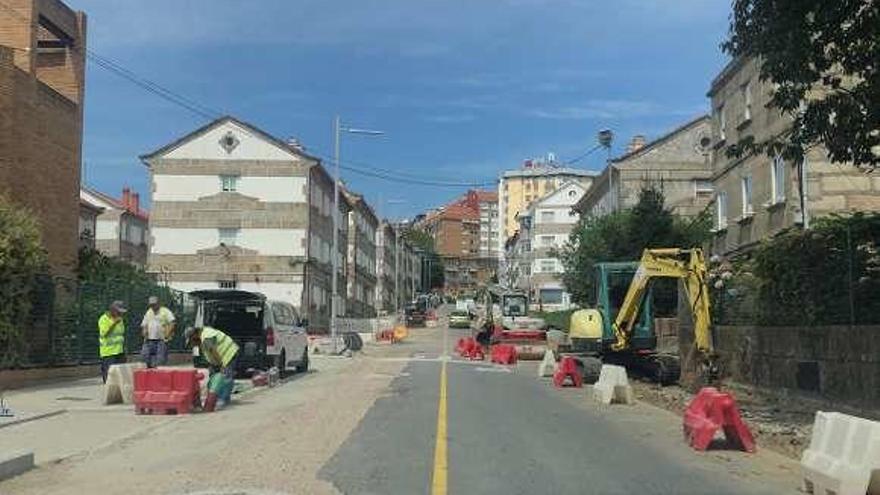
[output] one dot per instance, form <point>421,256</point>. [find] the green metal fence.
<point>65,312</point>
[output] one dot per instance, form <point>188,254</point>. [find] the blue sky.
<point>462,89</point>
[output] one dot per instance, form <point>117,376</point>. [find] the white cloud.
<point>610,109</point>
<point>450,118</point>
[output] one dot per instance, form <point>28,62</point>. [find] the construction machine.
<point>511,324</point>
<point>621,329</point>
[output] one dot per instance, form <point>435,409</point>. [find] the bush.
<point>22,258</point>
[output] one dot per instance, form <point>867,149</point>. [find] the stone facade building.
<point>122,228</point>
<point>42,80</point>
<point>758,196</point>
<point>544,228</point>
<point>677,163</point>
<point>386,267</point>
<point>234,207</point>
<point>362,230</point>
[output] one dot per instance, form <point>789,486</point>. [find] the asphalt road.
<point>508,432</point>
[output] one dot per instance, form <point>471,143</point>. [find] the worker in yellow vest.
<point>218,349</point>
<point>111,337</point>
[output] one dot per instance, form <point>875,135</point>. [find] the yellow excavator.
<point>622,330</point>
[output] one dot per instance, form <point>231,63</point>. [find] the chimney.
<point>637,143</point>
<point>136,202</point>
<point>126,197</point>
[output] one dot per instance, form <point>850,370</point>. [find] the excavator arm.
<point>685,264</point>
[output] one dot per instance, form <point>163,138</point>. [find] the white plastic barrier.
<point>843,457</point>
<point>120,384</point>
<point>613,386</point>
<point>548,364</point>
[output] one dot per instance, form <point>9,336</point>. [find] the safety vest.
<point>111,341</point>
<point>226,347</point>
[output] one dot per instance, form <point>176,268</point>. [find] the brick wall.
<point>41,121</point>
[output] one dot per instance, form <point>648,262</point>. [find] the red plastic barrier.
<point>568,369</point>
<point>503,354</point>
<point>469,348</point>
<point>163,390</point>
<point>710,411</point>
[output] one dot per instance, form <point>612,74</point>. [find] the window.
<point>746,90</point>
<point>722,123</point>
<point>547,240</point>
<point>548,266</point>
<point>228,183</point>
<point>547,216</point>
<point>227,284</point>
<point>777,180</point>
<point>747,196</point>
<point>228,237</point>
<point>721,210</point>
<point>572,193</point>
<point>703,187</point>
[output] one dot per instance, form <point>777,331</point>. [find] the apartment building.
<point>410,273</point>
<point>758,196</point>
<point>518,189</point>
<point>363,227</point>
<point>235,208</point>
<point>386,265</point>
<point>88,223</point>
<point>544,228</point>
<point>455,229</point>
<point>122,227</point>
<point>42,80</point>
<point>678,163</point>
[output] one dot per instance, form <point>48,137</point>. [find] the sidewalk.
<point>64,418</point>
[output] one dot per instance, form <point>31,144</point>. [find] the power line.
<point>583,155</point>
<point>209,113</point>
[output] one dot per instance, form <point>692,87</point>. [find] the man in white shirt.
<point>157,328</point>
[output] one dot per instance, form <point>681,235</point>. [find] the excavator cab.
<point>612,282</point>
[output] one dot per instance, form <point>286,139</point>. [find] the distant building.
<point>362,232</point>
<point>545,228</point>
<point>455,229</point>
<point>518,189</point>
<point>678,163</point>
<point>122,228</point>
<point>234,207</point>
<point>758,196</point>
<point>42,81</point>
<point>88,223</point>
<point>386,264</point>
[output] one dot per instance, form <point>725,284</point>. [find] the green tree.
<point>823,58</point>
<point>22,259</point>
<point>622,236</point>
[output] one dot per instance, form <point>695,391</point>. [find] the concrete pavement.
<point>369,425</point>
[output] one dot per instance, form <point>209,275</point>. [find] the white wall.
<point>107,229</point>
<point>251,146</point>
<point>269,242</point>
<point>287,292</point>
<point>192,187</point>
<point>536,265</point>
<point>563,196</point>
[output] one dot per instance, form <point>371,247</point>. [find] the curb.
<point>34,417</point>
<point>16,463</point>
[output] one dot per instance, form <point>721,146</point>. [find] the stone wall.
<point>840,363</point>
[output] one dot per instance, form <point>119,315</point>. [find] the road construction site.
<point>409,417</point>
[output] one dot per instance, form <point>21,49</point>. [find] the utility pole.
<point>338,129</point>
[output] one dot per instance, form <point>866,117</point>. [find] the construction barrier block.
<point>460,346</point>
<point>843,457</point>
<point>166,390</point>
<point>548,365</point>
<point>503,354</point>
<point>120,383</point>
<point>612,386</point>
<point>568,370</point>
<point>711,410</point>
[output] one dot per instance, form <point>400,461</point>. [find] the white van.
<point>269,333</point>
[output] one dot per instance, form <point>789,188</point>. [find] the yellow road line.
<point>441,467</point>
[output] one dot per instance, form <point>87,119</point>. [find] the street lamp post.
<point>338,129</point>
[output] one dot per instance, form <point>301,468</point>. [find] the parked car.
<point>459,319</point>
<point>414,316</point>
<point>268,333</point>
